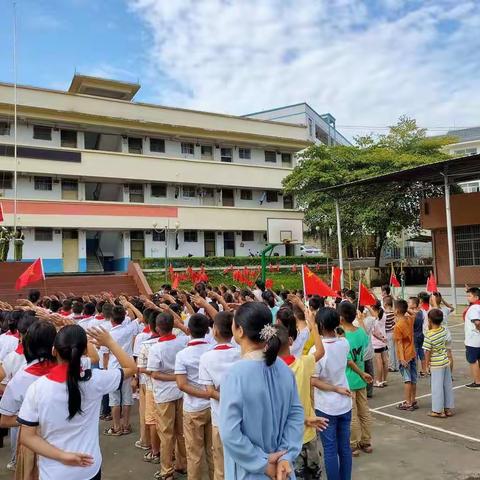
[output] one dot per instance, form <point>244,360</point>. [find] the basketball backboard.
<point>284,230</point>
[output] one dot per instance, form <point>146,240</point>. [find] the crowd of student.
<point>231,384</point>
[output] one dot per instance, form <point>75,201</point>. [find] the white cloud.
<point>365,61</point>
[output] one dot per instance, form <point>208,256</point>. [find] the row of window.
<point>98,141</point>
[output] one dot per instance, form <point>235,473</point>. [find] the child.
<point>332,398</point>
<point>214,365</point>
<point>167,395</point>
<point>360,438</point>
<point>379,343</point>
<point>436,301</point>
<point>367,322</point>
<point>389,326</point>
<point>405,347</point>
<point>258,400</point>
<point>471,318</point>
<point>303,331</point>
<point>436,353</point>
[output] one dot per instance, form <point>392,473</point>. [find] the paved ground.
<point>406,444</point>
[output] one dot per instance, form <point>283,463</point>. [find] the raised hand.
<point>99,336</point>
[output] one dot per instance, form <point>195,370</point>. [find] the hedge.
<point>184,262</point>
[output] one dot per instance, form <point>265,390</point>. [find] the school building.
<point>103,179</point>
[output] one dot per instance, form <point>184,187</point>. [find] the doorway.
<point>70,250</point>
<point>229,244</point>
<point>227,197</point>
<point>69,189</point>
<point>137,245</point>
<point>209,244</point>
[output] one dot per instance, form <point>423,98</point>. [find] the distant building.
<point>321,127</point>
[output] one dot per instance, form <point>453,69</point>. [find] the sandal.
<point>159,476</point>
<point>436,415</point>
<point>423,374</point>
<point>366,448</point>
<point>111,432</point>
<point>151,457</point>
<point>355,452</point>
<point>141,446</point>
<point>405,406</point>
<point>415,405</point>
<point>449,412</point>
<point>127,430</point>
<point>378,384</point>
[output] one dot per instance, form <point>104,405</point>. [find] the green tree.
<point>374,210</point>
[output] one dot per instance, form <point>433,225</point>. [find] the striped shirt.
<point>389,321</point>
<point>434,342</point>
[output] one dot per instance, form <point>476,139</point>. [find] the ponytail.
<point>271,349</point>
<point>73,376</point>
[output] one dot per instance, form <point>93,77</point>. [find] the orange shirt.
<point>403,333</point>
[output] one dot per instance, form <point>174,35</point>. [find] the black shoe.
<point>473,385</point>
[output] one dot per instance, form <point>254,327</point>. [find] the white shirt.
<point>123,335</point>
<point>331,369</point>
<point>369,323</point>
<point>86,322</point>
<point>161,358</point>
<point>12,363</point>
<point>472,334</point>
<point>187,363</point>
<point>80,434</point>
<point>8,343</point>
<point>214,365</point>
<point>142,360</point>
<point>297,346</point>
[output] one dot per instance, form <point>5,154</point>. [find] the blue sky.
<point>365,61</point>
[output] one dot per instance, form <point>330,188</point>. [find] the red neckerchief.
<point>224,346</point>
<point>15,334</point>
<point>167,338</point>
<point>468,308</point>
<point>425,307</point>
<point>41,368</point>
<point>99,317</point>
<point>64,313</point>
<point>193,343</point>
<point>19,349</point>
<point>59,373</point>
<point>147,329</point>
<point>288,359</point>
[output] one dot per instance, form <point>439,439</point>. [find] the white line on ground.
<point>399,401</point>
<point>431,427</point>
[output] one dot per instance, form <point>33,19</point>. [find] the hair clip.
<point>267,332</point>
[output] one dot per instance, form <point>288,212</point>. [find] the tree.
<point>380,211</point>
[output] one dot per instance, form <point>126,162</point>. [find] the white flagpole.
<point>303,281</point>
<point>15,175</point>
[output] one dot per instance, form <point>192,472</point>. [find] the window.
<point>157,145</point>
<point>43,183</point>
<point>69,185</point>
<point>42,133</point>
<point>467,245</point>
<point>159,190</point>
<point>68,138</point>
<point>270,156</point>
<point>244,153</point>
<point>247,236</point>
<point>190,236</point>
<point>4,128</point>
<point>226,155</point>
<point>135,145</point>
<point>287,201</point>
<point>188,148</point>
<point>136,192</point>
<point>43,235</point>
<point>206,152</point>
<point>470,187</point>
<point>6,180</point>
<point>310,127</point>
<point>272,196</point>
<point>189,192</point>
<point>465,152</point>
<point>287,159</point>
<point>246,195</point>
<point>158,236</point>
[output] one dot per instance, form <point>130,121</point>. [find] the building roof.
<point>103,87</point>
<point>465,134</point>
<point>460,169</point>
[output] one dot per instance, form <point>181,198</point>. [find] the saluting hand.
<point>100,336</point>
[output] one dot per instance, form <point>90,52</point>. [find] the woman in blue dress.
<point>261,417</point>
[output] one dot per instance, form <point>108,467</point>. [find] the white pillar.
<point>451,253</point>
<point>339,238</point>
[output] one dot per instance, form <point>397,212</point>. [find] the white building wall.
<point>46,249</point>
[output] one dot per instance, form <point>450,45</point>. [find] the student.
<point>88,316</point>
<point>120,401</point>
<point>385,292</point>
<point>64,430</point>
<point>34,296</point>
<point>167,396</point>
<point>9,339</point>
<point>269,299</point>
<point>367,322</point>
<point>436,301</point>
<point>286,318</point>
<point>38,344</point>
<point>303,330</point>
<point>308,463</point>
<point>259,289</point>
<point>197,421</point>
<point>389,326</point>
<point>332,398</point>
<point>379,343</point>
<point>77,312</point>
<point>66,310</point>
<point>405,348</point>
<point>417,314</point>
<point>315,303</point>
<point>437,357</point>
<point>214,365</point>
<point>360,437</point>
<point>258,400</point>
<point>472,335</point>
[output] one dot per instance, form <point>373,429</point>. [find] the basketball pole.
<point>264,253</point>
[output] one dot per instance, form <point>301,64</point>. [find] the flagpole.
<point>15,174</point>
<point>303,281</point>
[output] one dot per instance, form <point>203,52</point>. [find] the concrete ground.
<point>406,444</point>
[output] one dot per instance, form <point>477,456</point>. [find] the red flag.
<point>394,280</point>
<point>269,283</point>
<point>175,281</point>
<point>313,285</point>
<point>1,213</point>
<point>365,297</point>
<point>432,284</point>
<point>336,279</point>
<point>32,274</point>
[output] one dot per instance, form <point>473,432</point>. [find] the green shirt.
<point>358,341</point>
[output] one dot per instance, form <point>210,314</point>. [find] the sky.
<point>367,62</point>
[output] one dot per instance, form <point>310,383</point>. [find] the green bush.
<point>195,262</point>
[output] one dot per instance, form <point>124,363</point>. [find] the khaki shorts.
<point>149,408</point>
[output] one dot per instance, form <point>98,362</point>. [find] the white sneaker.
<point>11,466</point>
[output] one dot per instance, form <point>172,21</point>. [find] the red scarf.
<point>193,343</point>
<point>147,329</point>
<point>64,313</point>
<point>41,368</point>
<point>99,317</point>
<point>15,334</point>
<point>288,359</point>
<point>167,338</point>
<point>19,349</point>
<point>425,306</point>
<point>466,310</point>
<point>223,347</point>
<point>59,373</point>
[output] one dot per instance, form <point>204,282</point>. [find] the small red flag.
<point>365,297</point>
<point>1,213</point>
<point>32,274</point>
<point>175,281</point>
<point>314,285</point>
<point>394,280</point>
<point>336,279</point>
<point>432,284</point>
<point>268,283</point>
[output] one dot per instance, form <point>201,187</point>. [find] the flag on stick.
<point>336,279</point>
<point>365,297</point>
<point>314,285</point>
<point>32,274</point>
<point>394,280</point>
<point>432,284</point>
